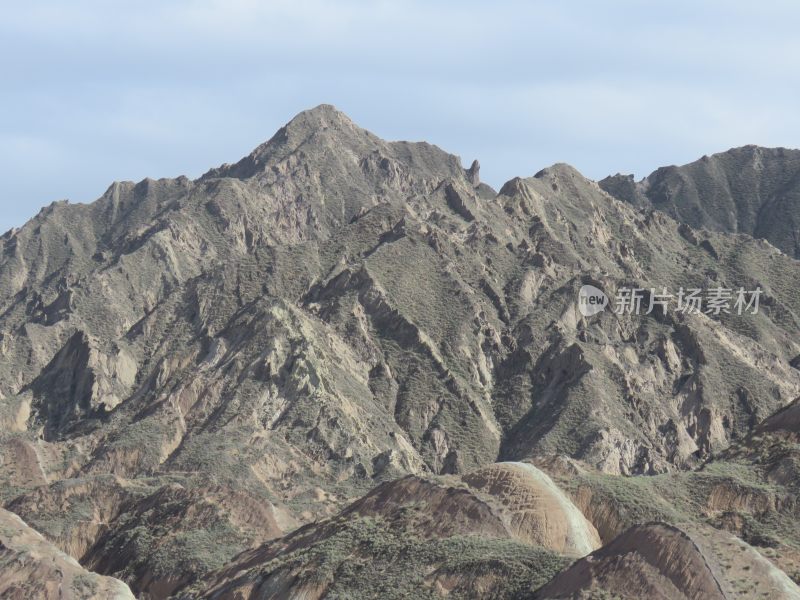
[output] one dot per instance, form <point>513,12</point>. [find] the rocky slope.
<point>195,369</point>
<point>750,190</point>
<point>492,530</point>
<point>664,562</point>
<point>31,567</point>
<point>725,530</point>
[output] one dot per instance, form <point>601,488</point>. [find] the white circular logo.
<point>591,300</point>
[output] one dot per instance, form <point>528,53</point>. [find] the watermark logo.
<point>643,301</point>
<point>591,300</point>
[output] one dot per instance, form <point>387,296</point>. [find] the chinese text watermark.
<point>643,301</point>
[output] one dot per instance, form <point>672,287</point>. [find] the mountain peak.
<point>321,115</point>
<point>321,118</point>
<point>308,125</point>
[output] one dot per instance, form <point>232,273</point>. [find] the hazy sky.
<point>96,91</point>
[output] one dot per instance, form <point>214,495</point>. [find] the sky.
<point>97,91</point>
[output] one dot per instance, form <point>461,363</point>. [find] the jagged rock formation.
<point>749,190</point>
<point>195,369</point>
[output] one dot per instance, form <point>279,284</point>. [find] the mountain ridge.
<point>334,313</point>
<point>749,189</point>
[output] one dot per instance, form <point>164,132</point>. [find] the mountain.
<point>340,357</point>
<point>749,190</point>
